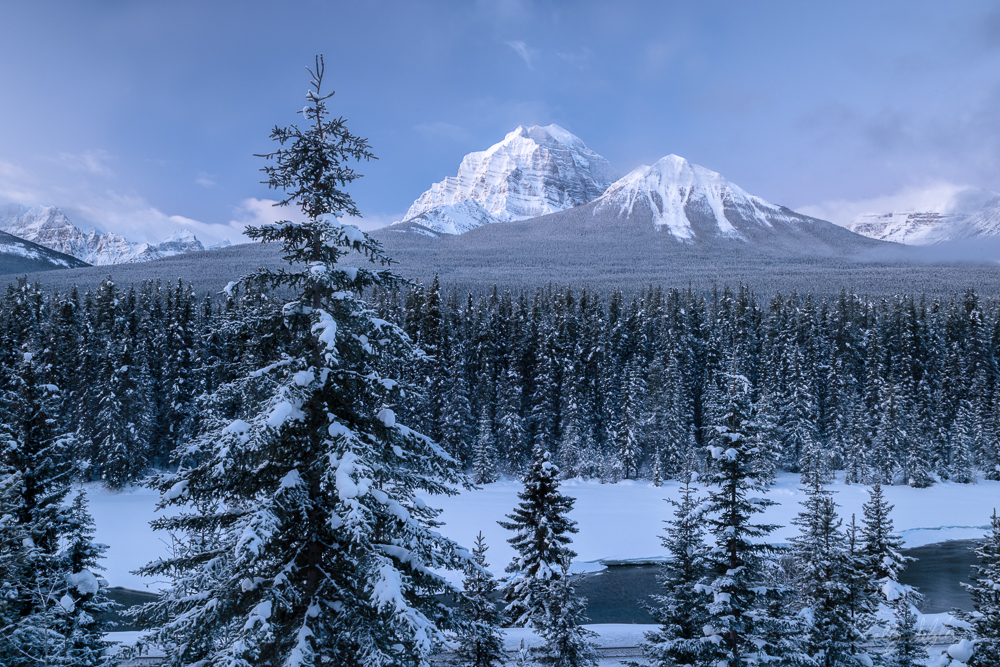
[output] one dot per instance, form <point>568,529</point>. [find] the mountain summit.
<point>533,171</point>
<point>692,203</point>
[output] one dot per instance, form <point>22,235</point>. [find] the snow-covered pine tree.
<point>537,592</point>
<point>484,463</point>
<point>880,547</point>
<point>826,574</point>
<point>542,535</point>
<point>481,641</point>
<point>680,609</point>
<point>510,425</point>
<point>51,598</point>
<point>882,563</point>
<point>962,467</point>
<point>746,623</point>
<point>984,620</point>
<point>629,434</point>
<point>122,433</point>
<point>326,555</point>
<point>905,651</point>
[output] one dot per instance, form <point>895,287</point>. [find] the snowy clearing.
<point>622,521</point>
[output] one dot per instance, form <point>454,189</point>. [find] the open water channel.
<point>616,593</point>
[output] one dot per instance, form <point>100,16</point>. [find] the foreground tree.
<point>481,642</point>
<point>680,609</point>
<point>984,620</point>
<point>882,565</point>
<point>50,600</point>
<point>538,594</point>
<point>747,622</point>
<point>828,577</point>
<point>325,555</point>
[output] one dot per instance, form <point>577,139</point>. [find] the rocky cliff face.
<point>533,171</point>
<point>930,227</point>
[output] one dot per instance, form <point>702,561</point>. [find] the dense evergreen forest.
<point>899,390</point>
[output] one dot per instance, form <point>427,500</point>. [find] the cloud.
<point>257,212</point>
<point>16,185</point>
<point>88,162</point>
<point>139,221</point>
<point>374,220</point>
<point>527,53</point>
<point>444,130</point>
<point>204,180</point>
<point>941,197</point>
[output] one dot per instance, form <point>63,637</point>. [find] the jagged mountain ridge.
<point>533,171</point>
<point>930,227</point>
<point>48,226</point>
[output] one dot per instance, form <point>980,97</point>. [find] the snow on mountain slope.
<point>48,226</point>
<point>693,203</point>
<point>20,256</point>
<point>930,227</point>
<point>533,171</point>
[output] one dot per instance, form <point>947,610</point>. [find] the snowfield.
<point>622,521</point>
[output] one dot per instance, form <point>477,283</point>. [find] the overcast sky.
<point>143,117</point>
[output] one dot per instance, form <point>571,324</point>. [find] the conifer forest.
<point>894,391</point>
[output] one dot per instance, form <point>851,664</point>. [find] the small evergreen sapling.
<point>481,641</point>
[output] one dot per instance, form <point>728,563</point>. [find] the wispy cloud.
<point>88,162</point>
<point>257,212</point>
<point>526,52</point>
<point>204,180</point>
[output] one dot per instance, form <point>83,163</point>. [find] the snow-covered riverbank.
<point>621,521</point>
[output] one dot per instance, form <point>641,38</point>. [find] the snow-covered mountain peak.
<point>680,194</point>
<point>533,171</point>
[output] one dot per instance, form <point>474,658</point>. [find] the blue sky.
<point>143,117</point>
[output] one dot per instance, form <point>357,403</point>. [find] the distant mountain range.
<point>931,227</point>
<point>49,227</point>
<point>673,222</point>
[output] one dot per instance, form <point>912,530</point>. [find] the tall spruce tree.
<point>882,563</point>
<point>326,555</point>
<point>827,576</point>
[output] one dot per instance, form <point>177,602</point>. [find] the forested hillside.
<point>899,390</point>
